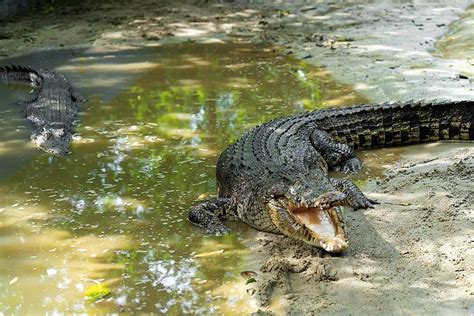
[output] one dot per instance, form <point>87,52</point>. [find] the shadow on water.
<point>14,150</point>
<point>114,212</point>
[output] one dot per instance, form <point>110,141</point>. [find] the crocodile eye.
<point>292,190</point>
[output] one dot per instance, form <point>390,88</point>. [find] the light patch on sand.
<point>376,48</point>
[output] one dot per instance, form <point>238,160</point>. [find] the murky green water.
<point>114,212</point>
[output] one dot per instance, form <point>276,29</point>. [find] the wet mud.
<point>409,254</point>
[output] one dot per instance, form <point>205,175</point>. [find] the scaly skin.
<point>52,110</point>
<point>279,170</point>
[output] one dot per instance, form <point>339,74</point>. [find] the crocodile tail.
<point>13,74</point>
<point>391,124</point>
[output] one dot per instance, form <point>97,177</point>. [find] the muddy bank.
<point>384,49</point>
<point>411,254</point>
<point>388,50</point>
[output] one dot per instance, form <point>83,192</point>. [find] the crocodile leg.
<point>337,155</point>
<point>28,101</point>
<point>77,97</point>
<point>208,215</point>
<point>355,197</point>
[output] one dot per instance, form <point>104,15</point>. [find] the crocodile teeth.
<point>295,225</point>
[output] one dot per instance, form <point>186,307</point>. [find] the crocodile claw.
<point>373,201</point>
<point>218,230</point>
<point>361,201</point>
<point>211,225</point>
<point>206,215</point>
<point>350,165</point>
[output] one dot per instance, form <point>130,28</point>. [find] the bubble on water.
<point>80,287</point>
<point>152,138</point>
<point>51,272</point>
<point>118,201</point>
<point>47,300</point>
<point>225,101</point>
<point>121,300</point>
<point>79,205</point>
<point>301,74</point>
<point>139,210</point>
<point>79,307</point>
<point>64,284</point>
<point>54,312</point>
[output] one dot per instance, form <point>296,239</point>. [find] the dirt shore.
<point>413,253</point>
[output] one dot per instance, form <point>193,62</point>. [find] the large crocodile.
<point>275,178</point>
<point>52,110</point>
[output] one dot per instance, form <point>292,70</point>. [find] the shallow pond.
<point>104,230</point>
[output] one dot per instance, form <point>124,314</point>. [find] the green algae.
<point>97,292</point>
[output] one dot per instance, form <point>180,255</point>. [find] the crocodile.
<point>275,177</point>
<point>52,109</point>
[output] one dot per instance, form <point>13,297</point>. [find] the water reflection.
<point>113,213</point>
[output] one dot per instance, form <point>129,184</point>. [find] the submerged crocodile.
<point>275,178</point>
<point>52,110</point>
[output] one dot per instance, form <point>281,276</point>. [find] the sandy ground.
<point>413,253</point>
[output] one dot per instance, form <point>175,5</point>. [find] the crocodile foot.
<point>208,216</point>
<point>351,165</point>
<point>361,201</point>
<point>355,198</point>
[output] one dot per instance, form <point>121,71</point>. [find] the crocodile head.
<point>309,211</point>
<point>53,138</point>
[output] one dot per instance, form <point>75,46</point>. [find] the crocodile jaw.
<point>319,225</point>
<point>324,225</point>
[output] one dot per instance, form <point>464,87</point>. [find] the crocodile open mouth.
<point>322,226</point>
<point>318,220</point>
<point>317,223</point>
